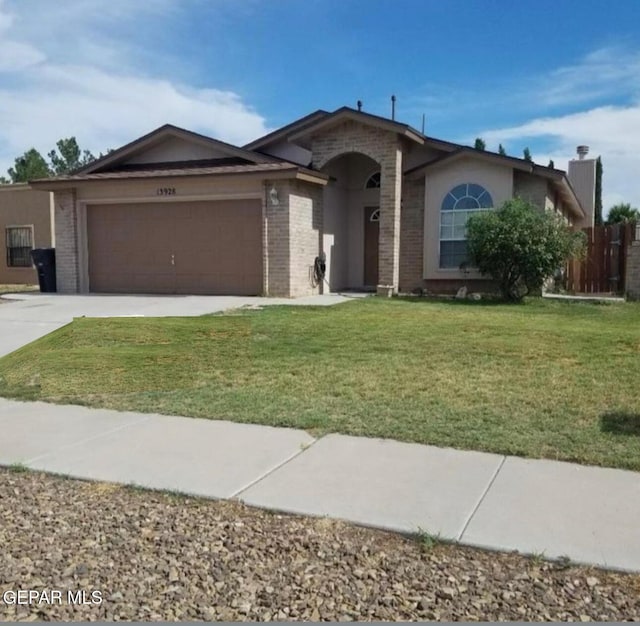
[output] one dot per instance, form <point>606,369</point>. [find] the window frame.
<point>372,176</point>
<point>453,211</point>
<point>8,248</point>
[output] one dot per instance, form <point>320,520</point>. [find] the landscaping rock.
<point>163,557</point>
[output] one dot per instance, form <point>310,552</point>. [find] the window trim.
<point>453,211</point>
<point>377,173</point>
<point>9,227</point>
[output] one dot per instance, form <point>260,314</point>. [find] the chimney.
<point>582,176</point>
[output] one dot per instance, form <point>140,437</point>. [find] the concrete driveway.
<point>26,317</point>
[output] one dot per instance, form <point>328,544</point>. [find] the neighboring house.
<point>26,222</point>
<point>177,212</point>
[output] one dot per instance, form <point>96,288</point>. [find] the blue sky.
<point>548,75</point>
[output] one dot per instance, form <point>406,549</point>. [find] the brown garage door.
<point>190,248</point>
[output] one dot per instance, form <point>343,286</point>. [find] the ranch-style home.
<point>383,205</point>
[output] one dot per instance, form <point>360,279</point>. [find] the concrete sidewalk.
<point>588,514</point>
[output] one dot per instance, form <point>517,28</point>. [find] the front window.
<point>458,205</point>
<point>19,241</point>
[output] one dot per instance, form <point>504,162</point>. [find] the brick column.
<point>632,279</point>
<point>389,242</point>
<point>66,227</point>
<point>276,254</point>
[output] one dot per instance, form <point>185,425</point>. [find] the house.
<point>381,203</point>
<point>26,222</point>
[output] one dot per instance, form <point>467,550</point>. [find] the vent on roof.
<point>582,151</point>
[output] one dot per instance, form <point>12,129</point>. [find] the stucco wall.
<point>496,179</point>
<point>22,206</point>
<point>177,149</point>
<point>335,242</point>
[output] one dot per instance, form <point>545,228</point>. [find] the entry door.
<point>371,239</point>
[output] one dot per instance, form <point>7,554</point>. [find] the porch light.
<point>273,196</point>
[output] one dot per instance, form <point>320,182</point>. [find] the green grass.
<point>547,379</point>
<point>17,288</point>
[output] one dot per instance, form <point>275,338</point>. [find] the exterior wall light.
<point>273,196</point>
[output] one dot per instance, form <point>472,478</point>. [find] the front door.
<point>371,237</point>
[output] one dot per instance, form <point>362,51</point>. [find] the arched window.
<point>375,216</point>
<point>373,182</point>
<point>458,205</point>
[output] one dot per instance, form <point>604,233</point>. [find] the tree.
<point>526,153</point>
<point>622,213</point>
<point>479,144</point>
<point>29,166</point>
<point>551,164</point>
<point>68,157</point>
<point>520,247</point>
<point>598,199</point>
<point>501,150</point>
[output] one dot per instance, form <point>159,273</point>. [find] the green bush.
<point>520,246</point>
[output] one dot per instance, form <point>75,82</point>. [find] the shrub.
<point>520,246</point>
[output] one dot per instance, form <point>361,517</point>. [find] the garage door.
<point>188,248</point>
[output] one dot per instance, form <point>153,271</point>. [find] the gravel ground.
<point>157,556</point>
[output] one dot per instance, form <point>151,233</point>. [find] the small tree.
<point>479,144</point>
<point>621,213</point>
<point>526,154</point>
<point>520,246</point>
<point>501,150</point>
<point>551,164</point>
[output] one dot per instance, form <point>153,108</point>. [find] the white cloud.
<point>103,100</point>
<point>604,73</point>
<point>611,132</point>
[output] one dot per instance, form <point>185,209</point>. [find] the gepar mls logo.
<point>32,597</point>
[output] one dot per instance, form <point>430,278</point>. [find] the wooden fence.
<point>604,266</point>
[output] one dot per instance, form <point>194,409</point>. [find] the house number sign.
<point>166,191</point>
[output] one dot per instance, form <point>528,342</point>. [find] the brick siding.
<point>67,276</point>
<point>384,147</point>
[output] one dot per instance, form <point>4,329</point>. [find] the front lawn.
<point>4,289</point>
<point>542,379</point>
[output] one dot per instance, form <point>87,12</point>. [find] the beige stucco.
<point>20,205</point>
<point>496,179</point>
<point>176,149</point>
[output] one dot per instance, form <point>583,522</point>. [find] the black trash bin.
<point>45,261</point>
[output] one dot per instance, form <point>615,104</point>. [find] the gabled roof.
<point>157,136</point>
<point>558,178</point>
<point>461,151</point>
<point>285,131</point>
<point>347,113</point>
